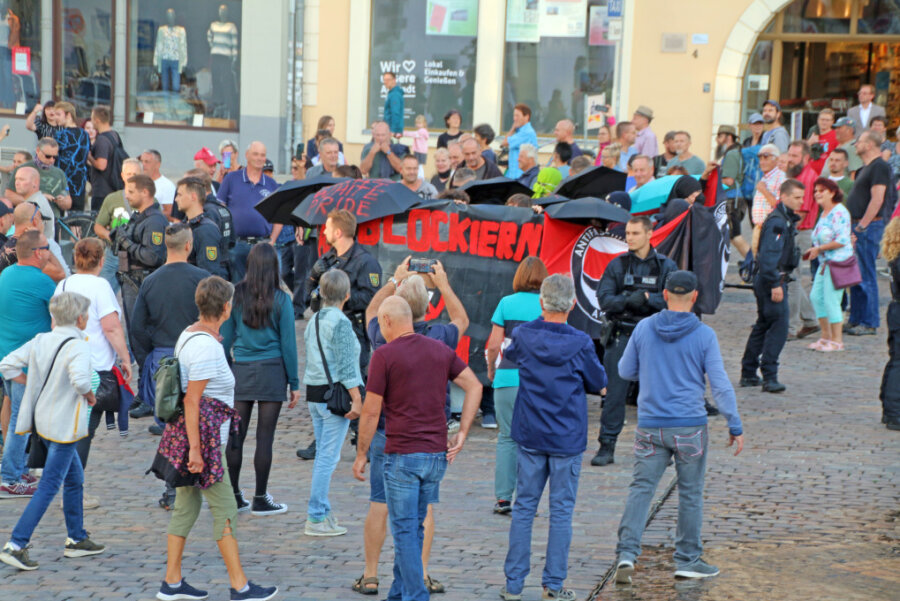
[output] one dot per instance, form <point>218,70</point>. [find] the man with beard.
<point>775,132</point>
<point>801,169</point>
<point>731,174</point>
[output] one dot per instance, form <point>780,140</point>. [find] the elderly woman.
<point>105,336</point>
<point>890,382</point>
<point>522,306</point>
<point>208,387</point>
<point>831,242</point>
<point>261,334</point>
<point>56,405</point>
<point>332,354</point>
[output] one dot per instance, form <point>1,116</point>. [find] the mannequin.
<point>170,54</point>
<point>223,50</point>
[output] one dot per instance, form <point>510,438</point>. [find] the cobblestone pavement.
<point>808,511</point>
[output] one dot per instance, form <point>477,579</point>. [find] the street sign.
<point>614,8</point>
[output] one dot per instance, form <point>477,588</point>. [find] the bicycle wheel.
<point>72,228</point>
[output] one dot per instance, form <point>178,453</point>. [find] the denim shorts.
<point>376,472</point>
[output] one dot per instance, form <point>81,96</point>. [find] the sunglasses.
<point>47,247</point>
<point>50,156</point>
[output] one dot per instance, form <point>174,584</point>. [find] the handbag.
<point>337,397</point>
<point>37,446</point>
<point>844,274</point>
<point>107,394</point>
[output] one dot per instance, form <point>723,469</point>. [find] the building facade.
<point>181,75</point>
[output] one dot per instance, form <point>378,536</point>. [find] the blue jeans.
<point>330,430</point>
<point>108,271</point>
<point>170,74</point>
<point>653,448</point>
<point>864,297</point>
<point>409,482</point>
<point>534,469</point>
<point>507,449</point>
<point>239,260</point>
<point>13,465</point>
<point>62,468</point>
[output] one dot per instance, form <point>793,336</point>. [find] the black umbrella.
<point>368,199</point>
<point>494,191</point>
<point>550,200</point>
<point>593,181</point>
<point>279,206</point>
<point>587,208</point>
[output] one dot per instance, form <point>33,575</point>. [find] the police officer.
<point>139,244</point>
<point>630,290</point>
<point>776,258</point>
<point>209,246</point>
<point>365,280</point>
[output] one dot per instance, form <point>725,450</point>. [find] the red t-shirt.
<point>807,177</point>
<point>411,373</point>
<point>829,142</point>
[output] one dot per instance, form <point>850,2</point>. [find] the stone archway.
<point>733,62</point>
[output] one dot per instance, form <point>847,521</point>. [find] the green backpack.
<point>169,397</point>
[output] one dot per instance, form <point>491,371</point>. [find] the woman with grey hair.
<point>332,354</point>
<point>56,405</point>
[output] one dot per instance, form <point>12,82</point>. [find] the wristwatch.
<point>393,281</point>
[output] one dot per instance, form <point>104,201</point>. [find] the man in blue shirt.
<point>240,191</point>
<point>25,294</point>
<point>520,133</point>
<point>671,354</point>
<point>393,105</point>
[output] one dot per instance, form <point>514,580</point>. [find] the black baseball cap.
<point>681,282</point>
<point>4,210</point>
<point>268,166</point>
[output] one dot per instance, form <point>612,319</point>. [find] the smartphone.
<point>422,265</point>
<point>226,159</point>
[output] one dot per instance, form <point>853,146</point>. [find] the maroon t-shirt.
<point>411,373</point>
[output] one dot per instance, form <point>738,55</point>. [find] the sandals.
<point>826,346</point>
<point>433,586</point>
<point>365,585</point>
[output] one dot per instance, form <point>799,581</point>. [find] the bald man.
<point>28,186</point>
<point>565,132</point>
<point>415,431</point>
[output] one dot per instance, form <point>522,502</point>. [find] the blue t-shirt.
<point>512,311</point>
<point>25,294</point>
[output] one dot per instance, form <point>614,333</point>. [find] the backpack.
<point>222,218</point>
<point>169,396</point>
<point>751,170</point>
<point>114,165</point>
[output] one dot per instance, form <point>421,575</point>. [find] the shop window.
<point>85,50</point>
<point>757,81</point>
<point>557,54</point>
<point>431,47</point>
<point>20,55</point>
<point>818,16</point>
<point>879,16</point>
<point>184,63</point>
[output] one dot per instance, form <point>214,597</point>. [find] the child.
<point>420,140</point>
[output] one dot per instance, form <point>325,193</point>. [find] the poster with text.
<point>563,18</point>
<point>452,17</point>
<point>523,20</point>
<point>599,25</point>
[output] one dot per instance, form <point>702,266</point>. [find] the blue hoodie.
<point>671,352</point>
<point>557,364</point>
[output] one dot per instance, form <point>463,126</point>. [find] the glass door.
<point>84,53</point>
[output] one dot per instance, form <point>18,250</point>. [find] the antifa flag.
<point>480,247</point>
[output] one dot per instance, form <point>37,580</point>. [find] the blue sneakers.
<point>183,591</point>
<point>254,592</point>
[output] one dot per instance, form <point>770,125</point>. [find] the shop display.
<point>170,55</point>
<point>20,55</point>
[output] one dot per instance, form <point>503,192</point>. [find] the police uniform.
<point>623,296</point>
<point>140,247</point>
<point>221,216</point>
<point>777,257</point>
<point>365,279</point>
<point>209,251</point>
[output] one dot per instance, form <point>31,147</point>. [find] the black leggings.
<point>266,419</point>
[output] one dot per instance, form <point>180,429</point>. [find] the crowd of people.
<point>190,272</point>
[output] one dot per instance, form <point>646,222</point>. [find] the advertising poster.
<point>452,17</point>
<point>599,27</point>
<point>563,18</point>
<point>596,109</point>
<point>523,20</point>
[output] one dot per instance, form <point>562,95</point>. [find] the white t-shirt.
<point>103,302</point>
<point>47,216</point>
<point>165,190</point>
<point>203,358</point>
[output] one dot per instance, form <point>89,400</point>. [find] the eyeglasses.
<point>766,156</point>
<point>50,156</point>
<point>42,247</point>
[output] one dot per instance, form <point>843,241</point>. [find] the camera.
<point>422,265</point>
<point>315,300</point>
<point>816,151</point>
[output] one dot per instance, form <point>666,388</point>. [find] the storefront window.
<point>431,48</point>
<point>184,63</point>
<point>85,49</point>
<point>558,53</point>
<point>818,16</point>
<point>756,83</point>
<point>879,16</point>
<point>20,55</point>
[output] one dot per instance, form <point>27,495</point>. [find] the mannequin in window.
<point>170,54</point>
<point>223,50</point>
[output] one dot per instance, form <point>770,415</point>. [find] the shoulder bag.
<point>844,274</point>
<point>37,446</point>
<point>337,397</point>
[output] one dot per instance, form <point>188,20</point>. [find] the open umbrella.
<point>494,191</point>
<point>653,194</point>
<point>279,206</point>
<point>593,181</point>
<point>368,199</point>
<point>550,200</point>
<point>584,209</point>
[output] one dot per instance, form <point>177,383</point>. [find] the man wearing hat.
<point>671,354</point>
<point>6,221</point>
<point>731,174</point>
<point>775,132</point>
<point>645,142</point>
<point>844,131</point>
<point>207,161</point>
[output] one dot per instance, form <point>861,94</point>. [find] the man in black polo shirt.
<point>869,195</point>
<point>209,250</point>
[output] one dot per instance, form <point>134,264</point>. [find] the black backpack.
<point>221,215</point>
<point>114,165</point>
